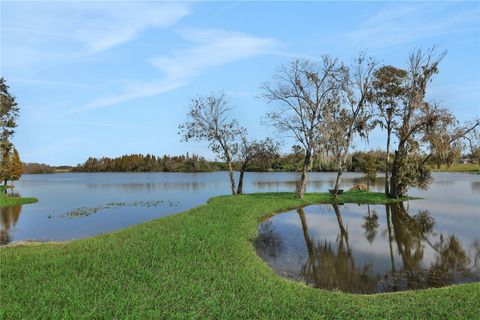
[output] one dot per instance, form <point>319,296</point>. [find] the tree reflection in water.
<point>268,242</point>
<point>371,224</point>
<point>418,257</point>
<point>334,269</point>
<point>8,218</point>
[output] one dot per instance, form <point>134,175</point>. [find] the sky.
<point>111,78</point>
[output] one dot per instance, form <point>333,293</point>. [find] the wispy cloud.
<point>133,92</point>
<point>124,21</point>
<point>37,33</point>
<point>209,48</point>
<point>396,24</point>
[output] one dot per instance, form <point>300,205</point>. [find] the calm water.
<point>431,242</point>
<point>62,193</point>
<point>452,200</point>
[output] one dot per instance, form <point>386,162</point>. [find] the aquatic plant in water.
<point>85,211</point>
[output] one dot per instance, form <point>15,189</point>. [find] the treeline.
<point>39,168</point>
<point>192,163</point>
<point>149,163</point>
<point>289,162</point>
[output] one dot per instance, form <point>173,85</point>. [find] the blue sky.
<point>111,78</point>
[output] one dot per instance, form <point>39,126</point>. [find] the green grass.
<point>459,167</point>
<point>197,264</point>
<point>6,200</point>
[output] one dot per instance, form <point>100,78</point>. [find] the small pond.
<point>375,248</point>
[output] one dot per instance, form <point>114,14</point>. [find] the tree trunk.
<point>232,177</point>
<point>302,184</point>
<point>339,175</point>
<point>240,180</point>
<point>394,190</point>
<point>387,160</point>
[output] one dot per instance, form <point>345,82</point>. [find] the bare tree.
<point>208,120</point>
<point>254,151</point>
<point>348,115</point>
<point>303,90</point>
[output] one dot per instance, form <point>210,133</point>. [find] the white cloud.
<point>211,48</point>
<point>400,24</point>
<point>123,21</point>
<point>133,92</point>
<point>36,34</point>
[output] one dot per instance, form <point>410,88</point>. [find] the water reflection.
<point>269,185</point>
<point>409,254</point>
<point>8,219</point>
<point>181,186</point>
<point>476,186</point>
<point>330,268</point>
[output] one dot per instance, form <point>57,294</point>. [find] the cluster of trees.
<point>10,164</point>
<point>149,163</point>
<point>40,168</point>
<point>325,106</point>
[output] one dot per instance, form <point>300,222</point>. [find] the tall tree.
<point>420,124</point>
<point>16,166</point>
<point>303,90</point>
<point>9,112</point>
<point>5,168</point>
<point>388,91</point>
<point>348,115</point>
<point>251,151</point>
<point>208,119</point>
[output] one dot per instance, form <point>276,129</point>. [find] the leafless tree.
<point>208,119</point>
<point>349,115</point>
<point>303,90</point>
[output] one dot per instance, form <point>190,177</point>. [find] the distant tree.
<point>370,168</point>
<point>476,155</point>
<point>303,90</point>
<point>348,114</point>
<point>251,151</point>
<point>208,120</point>
<point>298,150</point>
<point>36,168</point>
<point>9,112</point>
<point>387,93</point>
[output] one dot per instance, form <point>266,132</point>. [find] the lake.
<point>77,205</point>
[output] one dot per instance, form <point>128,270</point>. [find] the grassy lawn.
<point>6,201</point>
<point>459,167</point>
<point>197,264</point>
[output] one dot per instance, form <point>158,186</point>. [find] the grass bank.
<point>6,200</point>
<point>197,264</point>
<point>459,167</point>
